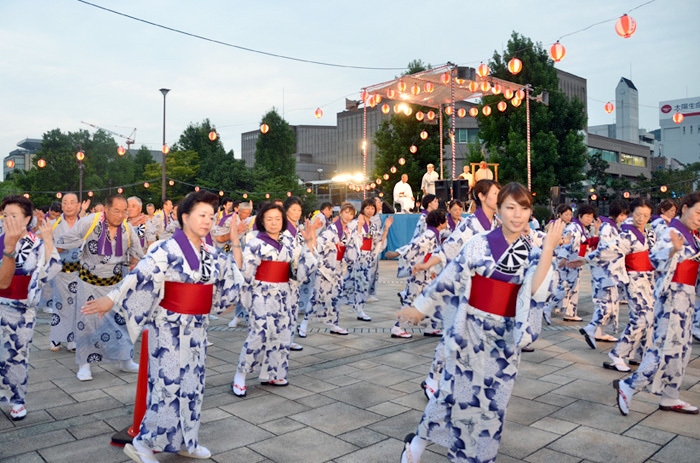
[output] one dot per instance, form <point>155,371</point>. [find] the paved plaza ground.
<point>353,398</point>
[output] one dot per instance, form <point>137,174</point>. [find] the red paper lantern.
<point>80,155</point>
<point>121,151</point>
<point>678,118</point>
<point>473,86</point>
<point>424,134</point>
<point>485,87</point>
<point>402,161</point>
<point>429,87</point>
<point>515,101</point>
<point>318,113</point>
<point>625,26</point>
<point>445,78</point>
<point>502,106</point>
<point>377,99</point>
<point>520,94</point>
<point>391,93</point>
<point>496,89</point>
<point>663,189</point>
<point>213,135</point>
<point>401,86</point>
<point>59,195</point>
<point>557,52</point>
<point>448,110</point>
<point>461,112</point>
<point>609,107</point>
<point>419,116</point>
<point>41,163</point>
<point>165,149</point>
<point>473,112</point>
<point>486,110</point>
<point>415,89</point>
<point>264,128</point>
<point>431,115</point>
<point>508,94</point>
<point>120,190</point>
<point>515,65</point>
<point>413,149</point>
<point>386,108</point>
<point>626,194</point>
<point>371,101</point>
<point>483,70</point>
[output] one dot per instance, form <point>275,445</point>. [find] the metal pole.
<point>527,113</point>
<point>164,91</point>
<point>80,182</point>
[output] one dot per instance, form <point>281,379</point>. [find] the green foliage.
<point>274,149</point>
<point>558,153</point>
<point>596,169</point>
<point>182,165</point>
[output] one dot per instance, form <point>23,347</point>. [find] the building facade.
<point>21,159</point>
<point>680,141</point>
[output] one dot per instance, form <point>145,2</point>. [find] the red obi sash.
<point>493,296</point>
<point>366,244</point>
<point>18,289</point>
<point>590,242</point>
<point>582,249</point>
<point>187,298</point>
<point>686,273</point>
<point>273,271</point>
<point>427,257</point>
<point>341,251</point>
<point>638,262</point>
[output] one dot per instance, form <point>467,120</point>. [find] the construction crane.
<point>129,140</point>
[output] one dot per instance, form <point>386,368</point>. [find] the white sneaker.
<point>200,452</point>
<point>139,452</point>
<point>18,412</point>
<point>233,323</point>
<point>208,343</point>
<point>84,373</point>
<point>398,332</point>
<point>213,317</point>
<point>129,366</point>
<point>372,299</point>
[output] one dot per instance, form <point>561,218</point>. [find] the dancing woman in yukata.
<point>482,346</point>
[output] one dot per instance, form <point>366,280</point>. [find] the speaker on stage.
<point>442,190</point>
<point>460,190</point>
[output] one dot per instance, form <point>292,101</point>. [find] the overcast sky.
<point>63,61</point>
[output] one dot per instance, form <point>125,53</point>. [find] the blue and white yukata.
<point>419,250</point>
<point>271,305</point>
<point>570,278</point>
<point>468,227</point>
<point>103,259</point>
<point>376,220</point>
<point>17,315</point>
<point>360,263</point>
<point>65,289</point>
<point>607,265</point>
<point>421,225</point>
<point>323,304</point>
<point>640,291</point>
<point>177,341</point>
<point>482,349</point>
<point>664,363</point>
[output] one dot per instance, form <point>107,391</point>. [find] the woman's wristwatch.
<point>11,255</point>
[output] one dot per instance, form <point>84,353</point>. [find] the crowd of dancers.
<point>482,283</point>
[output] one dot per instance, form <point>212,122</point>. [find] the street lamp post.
<point>80,155</point>
<point>544,99</point>
<point>164,91</point>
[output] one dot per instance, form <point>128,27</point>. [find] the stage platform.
<point>401,231</point>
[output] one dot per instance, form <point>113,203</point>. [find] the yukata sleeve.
<point>45,272</point>
<point>135,249</point>
<point>74,238</point>
<point>251,262</point>
<point>151,231</point>
<point>529,307</point>
<point>326,251</point>
<point>307,263</point>
<point>140,292</point>
<point>227,290</point>
<point>410,254</point>
<point>664,262</point>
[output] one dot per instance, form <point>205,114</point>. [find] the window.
<point>631,160</point>
<point>467,135</point>
<point>607,155</point>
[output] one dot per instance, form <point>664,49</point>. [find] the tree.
<point>274,149</point>
<point>558,153</point>
<point>596,170</point>
<point>182,165</point>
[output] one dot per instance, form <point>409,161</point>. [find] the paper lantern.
<point>267,195</point>
<point>520,94</point>
<point>420,116</point>
<point>486,110</point>
<point>424,134</point>
<point>508,94</point>
<point>609,107</point>
<point>413,149</point>
<point>515,65</point>
<point>146,184</point>
<point>515,101</point>
<point>80,155</point>
<point>377,99</point>
<point>678,118</point>
<point>401,86</point>
<point>429,87</point>
<point>374,185</point>
<point>372,101</point>
<point>393,169</point>
<point>386,108</point>
<point>557,52</point>
<point>213,135</point>
<point>59,195</point>
<point>379,181</point>
<point>496,89</point>
<point>473,112</point>
<point>318,113</point>
<point>415,89</point>
<point>473,86</point>
<point>402,161</point>
<point>196,188</point>
<point>445,78</point>
<point>41,163</point>
<point>625,26</point>
<point>289,194</point>
<point>120,190</point>
<point>221,192</point>
<point>483,70</point>
<point>407,110</point>
<point>364,94</point>
<point>391,94</point>
<point>165,149</point>
<point>10,164</point>
<point>663,189</point>
<point>626,194</point>
<point>26,195</point>
<point>264,128</point>
<point>121,151</point>
<point>245,195</point>
<point>485,87</point>
<point>386,176</point>
<point>171,182</point>
<point>502,106</point>
<point>461,112</point>
<point>431,115</point>
<point>397,108</point>
<point>448,110</point>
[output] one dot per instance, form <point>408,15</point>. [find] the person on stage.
<point>171,292</point>
<point>482,345</point>
<point>403,195</point>
<point>28,263</point>
<point>427,184</point>
<point>483,172</point>
<point>676,258</point>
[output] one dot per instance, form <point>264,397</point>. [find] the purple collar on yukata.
<point>264,237</point>
<point>577,222</point>
<point>291,229</point>
<point>338,227</point>
<point>435,232</point>
<point>498,246</point>
<point>187,249</point>
<point>224,218</point>
<point>609,221</point>
<point>31,237</point>
<point>104,246</point>
<point>480,215</point>
<point>424,212</point>
<point>685,231</point>
<point>631,228</point>
<point>451,222</point>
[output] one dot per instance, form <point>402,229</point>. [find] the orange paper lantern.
<point>625,26</point>
<point>391,93</point>
<point>402,161</point>
<point>80,155</point>
<point>473,86</point>
<point>461,112</point>
<point>485,87</point>
<point>486,110</point>
<point>515,101</point>
<point>445,78</point>
<point>431,115</point>
<point>415,89</point>
<point>393,169</point>
<point>419,116</point>
<point>678,118</point>
<point>473,112</point>
<point>448,110</point>
<point>401,86</point>
<point>264,128</point>
<point>502,106</point>
<point>515,65</point>
<point>413,149</point>
<point>318,113</point>
<point>429,87</point>
<point>496,89</point>
<point>520,94</point>
<point>386,108</point>
<point>41,163</point>
<point>609,107</point>
<point>121,151</point>
<point>483,70</point>
<point>213,135</point>
<point>508,94</point>
<point>424,134</point>
<point>557,52</point>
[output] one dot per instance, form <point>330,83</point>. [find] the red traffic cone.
<point>126,436</point>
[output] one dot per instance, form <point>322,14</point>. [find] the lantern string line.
<point>239,47</point>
